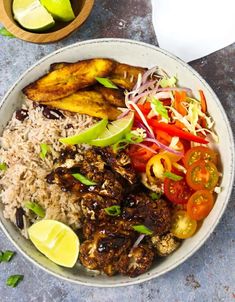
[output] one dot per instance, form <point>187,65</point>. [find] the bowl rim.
<point>147,277</point>
<point>44,38</point>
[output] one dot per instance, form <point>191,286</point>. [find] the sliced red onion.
<point>140,125</point>
<point>147,148</point>
<point>148,73</point>
<point>175,89</point>
<point>162,95</point>
<point>139,239</point>
<point>142,117</point>
<point>146,86</point>
<point>138,83</point>
<point>123,114</point>
<point>136,98</point>
<point>162,146</point>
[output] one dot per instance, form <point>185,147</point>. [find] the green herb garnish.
<point>172,176</point>
<point>14,280</point>
<point>142,229</point>
<point>159,108</point>
<point>4,32</point>
<point>3,166</point>
<point>37,209</point>
<point>84,180</point>
<point>113,210</point>
<point>106,82</point>
<point>130,138</point>
<point>44,150</point>
<point>155,195</point>
<point>6,256</point>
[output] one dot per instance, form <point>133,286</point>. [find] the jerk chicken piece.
<point>141,209</point>
<point>93,206</point>
<point>119,162</point>
<point>103,251</point>
<point>108,184</point>
<point>137,261</point>
<point>165,244</point>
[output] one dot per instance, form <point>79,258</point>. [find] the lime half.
<point>32,15</point>
<point>60,9</point>
<point>86,135</point>
<point>56,241</point>
<point>114,131</point>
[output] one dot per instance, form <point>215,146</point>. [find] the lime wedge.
<point>56,241</point>
<point>60,9</point>
<point>32,15</point>
<point>87,135</point>
<point>114,131</point>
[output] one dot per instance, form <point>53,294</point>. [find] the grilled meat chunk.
<point>87,254</point>
<point>119,162</point>
<point>165,244</point>
<point>93,206</point>
<point>103,251</point>
<point>68,79</point>
<point>92,167</point>
<point>139,208</point>
<point>137,261</point>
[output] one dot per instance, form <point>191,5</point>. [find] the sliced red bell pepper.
<point>174,131</point>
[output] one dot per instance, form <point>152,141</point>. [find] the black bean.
<point>19,218</point>
<point>21,114</point>
<point>52,114</point>
<point>68,126</point>
<point>50,177</point>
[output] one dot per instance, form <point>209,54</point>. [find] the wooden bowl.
<point>81,8</point>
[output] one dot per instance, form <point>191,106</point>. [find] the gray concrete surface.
<point>207,276</point>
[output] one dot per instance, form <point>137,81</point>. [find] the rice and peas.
<point>24,179</point>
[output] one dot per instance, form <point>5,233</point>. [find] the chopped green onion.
<point>113,210</point>
<point>6,256</point>
<point>84,180</point>
<point>142,229</point>
<point>155,195</point>
<point>159,108</point>
<point>14,280</point>
<point>172,176</point>
<point>44,150</point>
<point>106,83</point>
<point>168,82</point>
<point>4,32</point>
<point>130,138</point>
<point>37,209</point>
<point>3,166</point>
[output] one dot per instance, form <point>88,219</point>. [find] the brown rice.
<point>24,180</point>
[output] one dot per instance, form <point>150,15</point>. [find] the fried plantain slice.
<point>56,66</point>
<point>125,76</point>
<point>86,102</point>
<point>113,96</point>
<point>68,79</point>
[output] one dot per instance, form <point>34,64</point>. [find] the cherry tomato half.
<point>178,191</point>
<point>202,175</point>
<point>200,204</point>
<point>199,153</point>
<point>182,225</point>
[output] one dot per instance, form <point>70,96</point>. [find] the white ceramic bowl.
<point>141,54</point>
